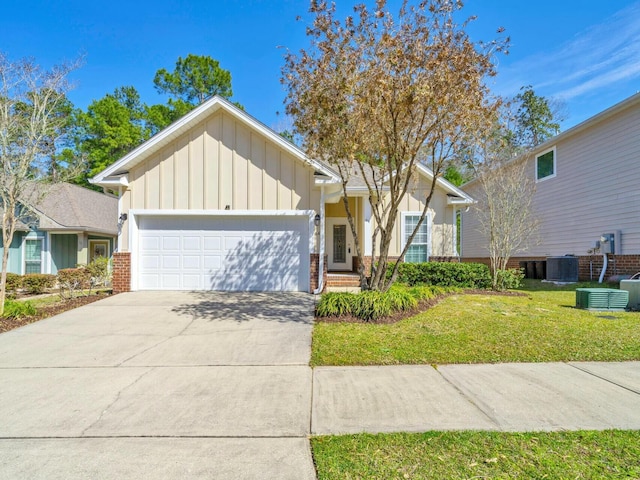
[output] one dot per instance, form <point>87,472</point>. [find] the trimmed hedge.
<point>36,283</point>
<point>444,274</point>
<point>14,281</point>
<point>72,280</point>
<point>371,305</point>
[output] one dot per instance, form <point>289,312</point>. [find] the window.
<point>546,165</point>
<point>418,251</point>
<point>33,255</point>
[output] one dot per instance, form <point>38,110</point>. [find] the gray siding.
<point>596,190</point>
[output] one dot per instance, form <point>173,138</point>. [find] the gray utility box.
<point>633,287</point>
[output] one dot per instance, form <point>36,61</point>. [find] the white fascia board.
<point>227,213</point>
<point>115,181</point>
<point>193,117</point>
<point>446,185</point>
<point>461,201</point>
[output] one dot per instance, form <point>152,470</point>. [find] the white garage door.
<point>232,253</point>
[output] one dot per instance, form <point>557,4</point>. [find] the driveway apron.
<point>160,385</point>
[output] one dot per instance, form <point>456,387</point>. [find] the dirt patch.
<point>47,311</point>
<point>422,307</point>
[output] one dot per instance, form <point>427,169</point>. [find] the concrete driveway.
<point>160,385</point>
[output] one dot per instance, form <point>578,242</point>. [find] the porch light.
<point>316,220</point>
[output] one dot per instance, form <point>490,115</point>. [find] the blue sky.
<point>584,52</point>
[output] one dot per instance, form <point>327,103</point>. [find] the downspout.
<point>604,267</point>
<point>118,237</point>
<point>321,246</point>
<point>454,224</point>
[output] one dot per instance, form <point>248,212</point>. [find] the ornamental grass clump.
<point>15,309</point>
<point>372,305</point>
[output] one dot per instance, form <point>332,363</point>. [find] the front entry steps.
<point>343,282</point>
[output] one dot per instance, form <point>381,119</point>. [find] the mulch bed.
<point>47,311</point>
<point>422,307</point>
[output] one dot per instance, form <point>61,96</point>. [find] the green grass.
<point>543,326</point>
<point>464,455</point>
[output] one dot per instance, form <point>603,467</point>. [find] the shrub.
<point>71,280</point>
<point>38,282</point>
<point>510,278</point>
<point>460,275</point>
<point>14,282</point>
<point>14,309</point>
<point>99,272</point>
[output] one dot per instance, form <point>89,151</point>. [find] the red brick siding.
<point>589,266</point>
<point>121,278</point>
<point>314,266</point>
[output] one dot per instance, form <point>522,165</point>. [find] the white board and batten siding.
<point>596,190</point>
<point>222,207</point>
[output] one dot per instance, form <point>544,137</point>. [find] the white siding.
<point>218,163</point>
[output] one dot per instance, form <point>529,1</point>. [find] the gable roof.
<point>112,175</point>
<point>455,196</point>
<point>64,206</point>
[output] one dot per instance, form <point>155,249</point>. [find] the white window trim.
<point>23,266</point>
<point>427,219</point>
<point>555,167</point>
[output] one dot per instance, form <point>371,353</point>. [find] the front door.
<point>339,242</point>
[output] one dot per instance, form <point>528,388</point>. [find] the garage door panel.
<point>150,261</point>
<point>191,262</point>
<point>192,243</point>
<point>170,242</point>
<point>150,243</point>
<point>192,282</point>
<point>171,262</point>
<point>170,282</point>
<point>212,262</point>
<point>224,253</point>
<point>150,281</point>
<point>212,243</point>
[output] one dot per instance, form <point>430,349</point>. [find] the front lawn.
<point>541,326</point>
<point>437,455</point>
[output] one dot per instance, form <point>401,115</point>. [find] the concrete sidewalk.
<point>171,385</point>
<point>507,397</point>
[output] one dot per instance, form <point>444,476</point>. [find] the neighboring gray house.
<point>72,225</point>
<point>587,185</point>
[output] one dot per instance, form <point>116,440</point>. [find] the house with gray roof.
<point>70,226</point>
<point>219,201</point>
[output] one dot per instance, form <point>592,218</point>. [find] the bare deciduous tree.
<point>377,94</point>
<point>30,101</point>
<point>505,212</point>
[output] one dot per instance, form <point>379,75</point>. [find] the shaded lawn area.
<point>543,326</point>
<point>498,455</point>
